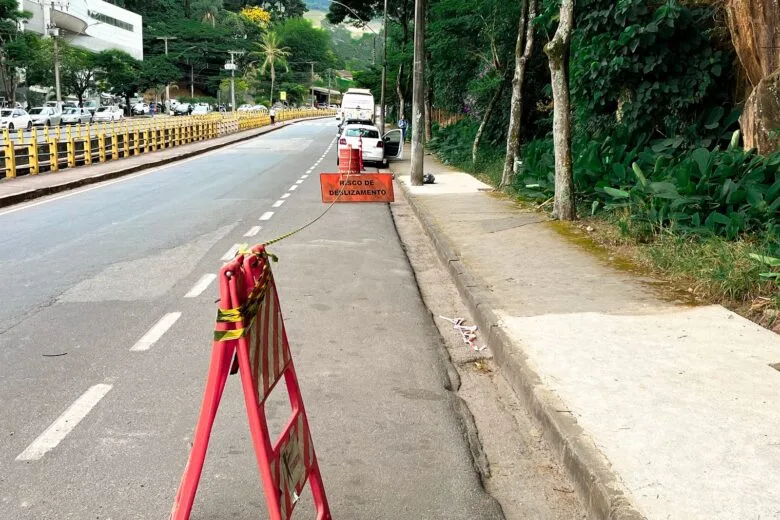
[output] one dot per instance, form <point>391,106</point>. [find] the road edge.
<point>244,135</point>
<point>598,486</point>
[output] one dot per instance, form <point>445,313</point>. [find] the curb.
<point>599,488</point>
<point>245,135</point>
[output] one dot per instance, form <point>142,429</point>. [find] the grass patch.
<point>711,269</point>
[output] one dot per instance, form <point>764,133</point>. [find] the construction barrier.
<point>250,333</point>
<point>350,160</point>
<point>52,149</point>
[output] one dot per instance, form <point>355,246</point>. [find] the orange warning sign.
<point>363,187</point>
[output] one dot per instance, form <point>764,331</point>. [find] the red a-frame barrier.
<point>250,326</point>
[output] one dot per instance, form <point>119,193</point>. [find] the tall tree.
<point>418,95</point>
<point>78,70</point>
<point>208,10</point>
<point>525,32</point>
<point>121,73</point>
<point>273,54</point>
<point>16,46</point>
<point>558,54</point>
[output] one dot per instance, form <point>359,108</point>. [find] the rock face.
<point>760,121</point>
<point>755,32</point>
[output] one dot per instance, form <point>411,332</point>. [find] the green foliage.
<point>649,65</point>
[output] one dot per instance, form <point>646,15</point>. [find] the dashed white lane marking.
<point>293,187</point>
<point>310,170</point>
<point>156,332</point>
<point>231,253</point>
<point>201,286</point>
<point>299,181</point>
<point>65,423</point>
<point>267,215</point>
<point>304,176</point>
<point>253,231</point>
<point>284,196</point>
<point>277,203</point>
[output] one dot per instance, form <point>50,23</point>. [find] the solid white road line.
<point>277,203</point>
<point>267,215</point>
<point>253,231</point>
<point>293,187</point>
<point>284,196</point>
<point>201,286</point>
<point>299,181</point>
<point>156,332</point>
<point>231,253</point>
<point>64,424</point>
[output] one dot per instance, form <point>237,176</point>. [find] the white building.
<point>94,25</point>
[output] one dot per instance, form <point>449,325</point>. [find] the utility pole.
<point>329,71</point>
<point>312,82</point>
<point>232,68</point>
<point>384,70</point>
<point>53,31</point>
<point>418,94</point>
<point>167,87</point>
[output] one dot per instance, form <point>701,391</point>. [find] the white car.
<point>13,118</point>
<point>45,116</point>
<point>141,109</point>
<point>76,116</point>
<point>107,114</point>
<point>201,109</point>
<point>376,149</point>
<point>244,108</point>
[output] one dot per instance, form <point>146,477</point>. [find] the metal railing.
<point>52,149</point>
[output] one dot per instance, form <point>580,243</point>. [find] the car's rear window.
<point>362,132</point>
<point>102,109</point>
<point>36,111</point>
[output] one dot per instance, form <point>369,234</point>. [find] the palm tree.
<point>208,9</point>
<point>273,54</point>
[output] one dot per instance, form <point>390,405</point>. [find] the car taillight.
<point>342,141</point>
<point>380,144</point>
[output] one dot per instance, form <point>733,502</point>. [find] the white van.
<point>357,106</point>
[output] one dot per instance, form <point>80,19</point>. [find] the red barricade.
<point>250,326</point>
<point>350,160</point>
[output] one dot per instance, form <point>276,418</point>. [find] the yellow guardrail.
<point>55,148</point>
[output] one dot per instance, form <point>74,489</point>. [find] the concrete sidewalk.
<point>657,409</point>
<point>27,187</point>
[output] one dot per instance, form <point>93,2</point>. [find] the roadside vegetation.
<point>662,171</point>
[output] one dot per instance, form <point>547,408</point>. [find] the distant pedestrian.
<point>272,113</point>
<point>403,124</point>
<point>189,109</point>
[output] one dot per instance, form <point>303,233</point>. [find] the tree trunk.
<point>418,95</point>
<point>558,54</point>
<point>273,78</point>
<point>399,92</point>
<point>428,122</point>
<point>525,31</point>
<point>485,118</point>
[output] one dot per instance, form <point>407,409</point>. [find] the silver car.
<point>76,116</point>
<point>45,116</point>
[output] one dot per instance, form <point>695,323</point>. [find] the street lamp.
<point>365,24</point>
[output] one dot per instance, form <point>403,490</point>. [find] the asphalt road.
<point>87,274</point>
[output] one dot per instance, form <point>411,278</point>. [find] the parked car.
<point>182,109</point>
<point>322,106</point>
<point>376,149</point>
<point>245,108</point>
<point>107,114</point>
<point>45,116</point>
<point>12,118</point>
<point>92,105</point>
<point>261,108</point>
<point>140,109</point>
<point>201,109</point>
<point>76,116</point>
